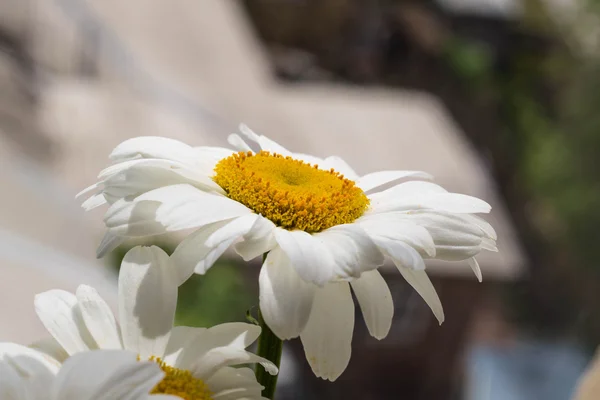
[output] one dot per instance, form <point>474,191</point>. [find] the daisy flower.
<point>196,361</point>
<point>325,229</point>
<point>26,374</point>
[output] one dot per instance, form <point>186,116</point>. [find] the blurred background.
<point>497,98</point>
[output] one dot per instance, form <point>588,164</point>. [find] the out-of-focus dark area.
<point>499,99</point>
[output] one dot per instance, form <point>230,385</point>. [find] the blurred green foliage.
<point>548,101</point>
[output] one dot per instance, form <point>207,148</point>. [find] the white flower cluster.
<point>322,229</point>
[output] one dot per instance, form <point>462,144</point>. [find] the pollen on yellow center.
<point>291,193</point>
<point>180,383</point>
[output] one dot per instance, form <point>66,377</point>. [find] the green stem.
<point>269,347</point>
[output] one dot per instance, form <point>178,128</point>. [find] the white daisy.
<point>197,361</point>
<point>26,374</point>
<point>325,229</point>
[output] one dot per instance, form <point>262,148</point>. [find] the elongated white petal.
<point>233,229</point>
<point>309,256</point>
<point>12,385</point>
<point>285,299</point>
<point>16,352</point>
<point>36,376</point>
<point>94,201</point>
<point>380,178</point>
<point>264,142</point>
<point>234,384</point>
<point>193,255</point>
<point>59,313</point>
<point>236,334</point>
<point>327,337</point>
<point>375,301</point>
<point>98,318</point>
<point>236,141</point>
<point>259,240</point>
<point>475,267</point>
<point>401,252</point>
<point>147,300</point>
<point>110,241</point>
<point>396,226</point>
<point>151,147</point>
<point>186,344</point>
<point>227,356</point>
<point>105,375</point>
<point>417,195</point>
<point>140,178</point>
<point>352,250</point>
<point>455,237</point>
<point>51,347</point>
<point>421,283</point>
<point>170,208</point>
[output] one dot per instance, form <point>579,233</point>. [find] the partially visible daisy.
<point>196,361</point>
<point>325,229</point>
<point>26,374</point>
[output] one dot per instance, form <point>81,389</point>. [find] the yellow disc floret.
<point>180,383</point>
<point>291,193</point>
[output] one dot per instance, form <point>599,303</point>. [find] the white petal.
<point>340,166</point>
<point>475,267</point>
<point>375,301</point>
<point>309,256</point>
<point>106,375</point>
<point>16,351</point>
<point>170,208</point>
<point>37,376</point>
<point>259,240</point>
<point>50,347</point>
<point>415,195</point>
<point>396,226</point>
<point>232,230</point>
<point>234,384</point>
<point>227,356</point>
<point>421,283</point>
<point>12,385</point>
<point>352,250</point>
<point>285,299</point>
<point>98,318</point>
<point>141,178</point>
<point>186,344</point>
<point>376,179</point>
<point>61,316</point>
<point>488,244</point>
<point>264,142</point>
<point>455,237</point>
<point>401,253</point>
<point>109,242</point>
<point>193,255</point>
<point>327,338</point>
<point>237,334</point>
<point>236,141</point>
<point>147,300</point>
<point>151,147</point>
<point>94,201</point>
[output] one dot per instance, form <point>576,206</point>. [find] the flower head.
<point>27,374</point>
<point>196,361</point>
<point>325,228</point>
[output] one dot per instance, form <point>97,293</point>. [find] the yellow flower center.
<point>180,383</point>
<point>291,193</point>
